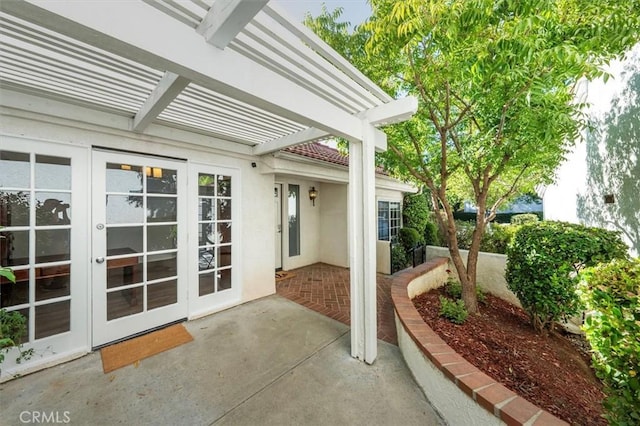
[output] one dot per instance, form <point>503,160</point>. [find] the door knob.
<point>100,259</point>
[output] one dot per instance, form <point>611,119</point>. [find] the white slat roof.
<point>41,60</point>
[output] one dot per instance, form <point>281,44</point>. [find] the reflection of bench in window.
<point>130,272</point>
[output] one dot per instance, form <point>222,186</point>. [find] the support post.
<point>362,244</point>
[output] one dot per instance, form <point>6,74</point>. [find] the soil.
<point>552,372</point>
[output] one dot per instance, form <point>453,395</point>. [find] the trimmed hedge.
<point>495,239</point>
<point>415,212</point>
<point>612,292</point>
<point>409,238</point>
<point>521,219</point>
<point>543,262</point>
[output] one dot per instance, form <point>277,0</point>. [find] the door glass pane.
<point>124,209</point>
<point>207,234</point>
<point>123,240</point>
<point>207,209</point>
<point>206,258</point>
<point>162,237</point>
<point>224,256</point>
<point>224,279</point>
<point>124,178</point>
<point>124,271</point>
<point>52,245</point>
<point>14,208</point>
<point>14,248</point>
<point>162,294</point>
<point>53,281</point>
<point>206,184</point>
<point>161,209</point>
<point>207,283</point>
<point>294,220</point>
<point>53,172</point>
<point>15,170</point>
<point>13,294</point>
<point>224,232</point>
<point>224,209</point>
<point>161,181</point>
<point>53,319</point>
<point>121,303</point>
<point>53,208</point>
<point>224,186</point>
<point>162,266</point>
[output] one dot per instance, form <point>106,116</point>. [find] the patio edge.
<point>458,390</point>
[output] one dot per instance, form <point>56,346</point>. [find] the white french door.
<point>139,240</point>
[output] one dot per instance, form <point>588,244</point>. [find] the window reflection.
<point>14,208</point>
<point>53,172</point>
<point>15,170</point>
<point>294,220</point>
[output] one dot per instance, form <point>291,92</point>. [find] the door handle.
<point>100,259</point>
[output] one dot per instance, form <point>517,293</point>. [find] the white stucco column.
<point>362,243</point>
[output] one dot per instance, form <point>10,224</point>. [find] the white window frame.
<point>393,229</point>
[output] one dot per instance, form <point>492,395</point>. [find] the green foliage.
<point>7,273</point>
<point>497,238</point>
<point>431,235</point>
<point>409,238</point>
<point>453,289</point>
<point>453,311</point>
<point>398,258</point>
<point>521,219</point>
<point>415,213</point>
<point>543,263</point>
<point>612,292</point>
<point>13,326</point>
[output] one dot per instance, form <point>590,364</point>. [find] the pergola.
<point>240,73</point>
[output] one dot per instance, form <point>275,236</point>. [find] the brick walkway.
<point>325,289</point>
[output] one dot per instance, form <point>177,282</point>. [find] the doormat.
<point>283,275</point>
<point>133,350</point>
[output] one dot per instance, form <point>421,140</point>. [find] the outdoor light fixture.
<point>313,194</point>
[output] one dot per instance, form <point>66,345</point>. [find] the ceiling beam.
<point>226,18</point>
<point>393,112</point>
<point>165,92</point>
<point>167,44</point>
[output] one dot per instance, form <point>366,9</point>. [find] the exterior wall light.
<point>313,194</point>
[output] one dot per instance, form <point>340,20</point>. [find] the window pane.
<point>162,294</point>
<point>224,256</point>
<point>206,210</point>
<point>206,258</point>
<point>52,245</point>
<point>124,302</point>
<point>53,208</point>
<point>224,209</point>
<point>207,284</point>
<point>224,279</point>
<point>14,208</point>
<point>206,184</point>
<point>224,186</point>
<point>53,172</point>
<point>12,294</point>
<point>14,248</point>
<point>124,178</point>
<point>294,220</point>
<point>161,209</point>
<point>124,209</point>
<point>54,318</point>
<point>124,271</point>
<point>124,240</point>
<point>162,266</point>
<point>53,281</point>
<point>161,181</point>
<point>162,237</point>
<point>224,232</point>
<point>14,170</point>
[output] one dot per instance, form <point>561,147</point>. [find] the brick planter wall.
<point>458,390</point>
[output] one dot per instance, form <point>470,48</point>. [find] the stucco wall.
<point>490,272</point>
<point>334,244</point>
<point>606,161</point>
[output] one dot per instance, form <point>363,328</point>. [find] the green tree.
<point>495,82</point>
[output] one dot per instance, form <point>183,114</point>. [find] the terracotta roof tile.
<point>318,151</point>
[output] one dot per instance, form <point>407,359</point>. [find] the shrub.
<point>521,219</point>
<point>543,262</point>
<point>409,238</point>
<point>453,289</point>
<point>612,292</point>
<point>453,311</point>
<point>431,236</point>
<point>497,237</point>
<point>415,212</point>
<point>398,258</point>
<point>464,232</point>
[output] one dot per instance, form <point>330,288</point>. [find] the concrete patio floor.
<point>266,362</point>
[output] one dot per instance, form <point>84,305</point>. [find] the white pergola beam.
<point>165,92</point>
<point>227,18</point>
<point>392,112</point>
<point>362,244</point>
<point>167,44</point>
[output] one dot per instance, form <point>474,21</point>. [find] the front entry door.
<point>138,244</point>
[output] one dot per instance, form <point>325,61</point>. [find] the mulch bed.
<point>552,372</point>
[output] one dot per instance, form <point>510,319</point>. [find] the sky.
<point>355,11</point>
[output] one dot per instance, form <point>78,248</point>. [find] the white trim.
<point>226,18</point>
<point>165,92</point>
